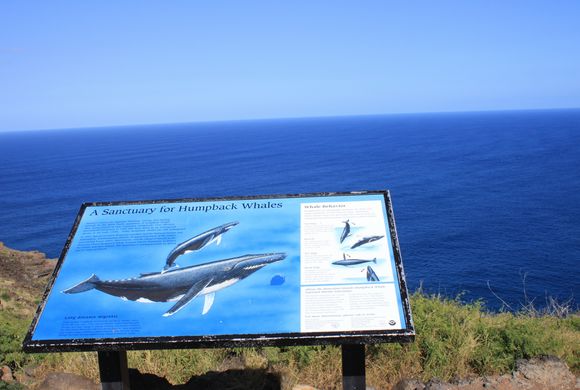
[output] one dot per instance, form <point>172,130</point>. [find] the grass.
<point>453,340</point>
<point>12,330</point>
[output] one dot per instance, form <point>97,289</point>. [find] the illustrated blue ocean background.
<point>487,204</point>
<point>253,296</point>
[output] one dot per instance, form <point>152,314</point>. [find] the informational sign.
<point>276,270</point>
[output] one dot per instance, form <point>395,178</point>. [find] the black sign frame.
<point>234,340</point>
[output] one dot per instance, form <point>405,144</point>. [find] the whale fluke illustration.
<point>181,284</point>
<point>365,240</point>
<point>198,242</point>
<point>83,286</point>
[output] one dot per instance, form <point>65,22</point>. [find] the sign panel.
<point>276,270</point>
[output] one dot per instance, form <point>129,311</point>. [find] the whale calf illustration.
<point>198,242</point>
<point>365,240</point>
<point>182,284</point>
<point>351,262</point>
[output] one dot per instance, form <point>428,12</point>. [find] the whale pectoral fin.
<point>217,239</point>
<point>208,302</point>
<point>189,295</point>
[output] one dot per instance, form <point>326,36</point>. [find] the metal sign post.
<point>353,367</point>
<point>113,370</point>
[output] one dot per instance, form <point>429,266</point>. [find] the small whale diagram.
<point>351,262</point>
<point>371,275</point>
<point>345,231</point>
<point>365,240</point>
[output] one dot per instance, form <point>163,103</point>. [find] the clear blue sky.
<point>96,63</point>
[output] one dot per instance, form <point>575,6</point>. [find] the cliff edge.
<point>23,278</point>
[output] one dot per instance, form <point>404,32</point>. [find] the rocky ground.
<point>546,373</point>
<point>24,276</point>
<point>537,374</point>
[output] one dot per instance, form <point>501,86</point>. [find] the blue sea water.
<point>487,204</point>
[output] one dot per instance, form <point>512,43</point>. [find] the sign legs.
<point>353,367</point>
<point>113,370</point>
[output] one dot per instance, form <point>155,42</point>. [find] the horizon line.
<point>283,118</point>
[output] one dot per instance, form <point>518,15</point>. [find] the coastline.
<point>454,340</point>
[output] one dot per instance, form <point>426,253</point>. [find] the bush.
<point>10,386</point>
<point>12,332</point>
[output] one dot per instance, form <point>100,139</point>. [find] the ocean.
<point>487,204</point>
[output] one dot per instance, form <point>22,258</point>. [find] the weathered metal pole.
<point>113,370</point>
<point>353,367</point>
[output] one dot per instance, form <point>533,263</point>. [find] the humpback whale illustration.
<point>371,275</point>
<point>365,240</point>
<point>198,242</point>
<point>350,262</point>
<point>345,231</point>
<point>181,284</point>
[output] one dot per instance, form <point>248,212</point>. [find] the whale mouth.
<point>274,257</point>
<point>231,225</point>
<point>255,266</point>
<point>259,261</point>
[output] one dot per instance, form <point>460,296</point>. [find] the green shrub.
<point>11,386</point>
<point>12,332</point>
<point>5,296</point>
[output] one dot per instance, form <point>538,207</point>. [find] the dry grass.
<point>453,340</point>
